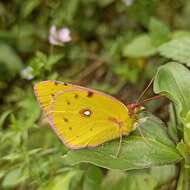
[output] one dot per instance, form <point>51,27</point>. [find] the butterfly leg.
<point>140,131</point>
<point>119,146</point>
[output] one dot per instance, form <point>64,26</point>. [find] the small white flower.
<point>59,37</point>
<point>128,2</point>
<point>26,73</point>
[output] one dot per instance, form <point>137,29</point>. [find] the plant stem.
<point>184,177</point>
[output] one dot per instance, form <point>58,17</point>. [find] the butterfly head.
<point>134,109</point>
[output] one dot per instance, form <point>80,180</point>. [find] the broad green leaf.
<point>163,174</point>
<point>141,46</point>
<point>92,178</point>
<point>9,60</point>
<point>13,178</point>
<point>147,179</point>
<point>135,153</point>
<point>177,49</point>
<point>131,180</point>
<point>159,32</point>
<point>61,181</point>
<point>173,80</point>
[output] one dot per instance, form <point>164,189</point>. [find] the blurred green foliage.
<point>116,47</point>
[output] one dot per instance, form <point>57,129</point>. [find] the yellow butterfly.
<point>83,117</point>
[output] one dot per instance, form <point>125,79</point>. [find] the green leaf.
<point>135,152</point>
<point>42,62</point>
<point>61,181</point>
<point>141,46</point>
<point>9,60</point>
<point>159,32</point>
<point>180,33</point>
<point>173,80</point>
<point>143,10</point>
<point>177,49</point>
<point>173,124</point>
<point>131,180</point>
<point>28,7</point>
<point>13,178</point>
<point>52,60</point>
<point>163,174</point>
<point>4,116</point>
<point>127,73</point>
<point>92,178</point>
<point>70,9</point>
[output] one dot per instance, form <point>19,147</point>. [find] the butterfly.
<point>83,117</point>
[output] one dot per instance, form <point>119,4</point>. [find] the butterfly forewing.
<point>46,90</point>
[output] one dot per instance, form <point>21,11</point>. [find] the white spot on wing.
<point>87,112</point>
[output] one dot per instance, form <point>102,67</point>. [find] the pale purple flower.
<point>59,37</point>
<point>26,73</point>
<point>128,2</point>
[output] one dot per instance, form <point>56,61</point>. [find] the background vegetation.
<point>118,47</point>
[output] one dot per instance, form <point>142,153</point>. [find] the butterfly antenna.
<point>150,99</point>
<point>145,90</point>
<point>119,147</point>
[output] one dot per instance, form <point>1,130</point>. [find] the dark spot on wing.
<point>76,96</point>
<point>68,103</point>
<point>91,129</point>
<point>70,128</point>
<point>52,95</point>
<point>65,119</point>
<point>90,94</point>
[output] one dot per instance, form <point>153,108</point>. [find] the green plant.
<point>117,48</point>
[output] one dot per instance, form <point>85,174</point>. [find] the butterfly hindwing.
<point>84,118</point>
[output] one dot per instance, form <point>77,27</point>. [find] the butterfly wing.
<point>87,119</point>
<point>46,90</point>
